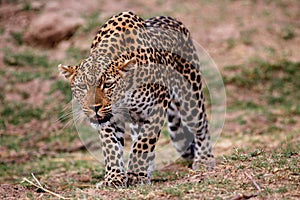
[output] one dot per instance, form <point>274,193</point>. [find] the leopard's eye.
<point>108,84</point>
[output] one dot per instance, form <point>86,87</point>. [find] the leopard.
<point>142,73</point>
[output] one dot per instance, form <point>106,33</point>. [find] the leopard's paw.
<point>134,179</point>
<point>117,181</point>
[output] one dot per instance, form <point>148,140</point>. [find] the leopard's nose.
<point>95,108</point>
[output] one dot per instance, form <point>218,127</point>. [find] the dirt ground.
<point>35,36</point>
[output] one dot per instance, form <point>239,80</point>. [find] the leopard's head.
<point>97,83</point>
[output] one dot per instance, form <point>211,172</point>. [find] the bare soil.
<point>232,32</point>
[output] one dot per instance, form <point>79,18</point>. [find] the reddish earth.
<point>232,32</point>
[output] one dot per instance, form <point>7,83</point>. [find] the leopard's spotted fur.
<point>141,72</point>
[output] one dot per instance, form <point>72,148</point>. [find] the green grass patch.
<point>76,53</point>
<point>276,83</point>
<point>16,113</point>
<point>287,33</point>
<point>25,76</point>
<point>92,22</point>
<point>230,43</point>
<point>168,176</point>
<point>247,104</point>
<point>173,191</point>
<point>27,6</point>
<point>246,36</point>
<point>12,142</point>
<point>26,58</point>
<point>64,87</point>
<point>284,157</point>
<point>66,137</point>
<point>42,167</point>
<point>2,30</point>
<point>18,37</point>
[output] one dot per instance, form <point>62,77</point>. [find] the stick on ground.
<point>39,185</point>
<point>248,196</point>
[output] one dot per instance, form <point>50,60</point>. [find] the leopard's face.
<point>96,83</point>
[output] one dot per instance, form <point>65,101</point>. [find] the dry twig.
<point>39,185</point>
<point>248,196</point>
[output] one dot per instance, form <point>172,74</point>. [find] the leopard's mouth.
<point>100,120</point>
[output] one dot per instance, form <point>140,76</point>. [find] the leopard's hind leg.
<point>183,140</point>
<point>189,132</point>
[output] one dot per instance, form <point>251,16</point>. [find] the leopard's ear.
<point>127,65</point>
<point>67,71</point>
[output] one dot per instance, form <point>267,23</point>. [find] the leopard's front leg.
<point>112,140</point>
<point>141,159</point>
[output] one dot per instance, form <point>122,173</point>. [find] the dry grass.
<point>254,43</point>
